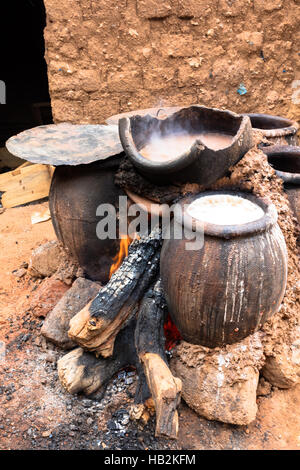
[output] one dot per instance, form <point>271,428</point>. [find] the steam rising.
<point>169,147</point>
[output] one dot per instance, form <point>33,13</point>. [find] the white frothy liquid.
<point>162,149</point>
<point>224,209</point>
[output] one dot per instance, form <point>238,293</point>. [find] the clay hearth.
<point>121,324</point>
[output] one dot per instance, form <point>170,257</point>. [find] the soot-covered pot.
<point>195,144</point>
<point>286,162</point>
<point>278,130</point>
<point>86,158</point>
<point>226,290</point>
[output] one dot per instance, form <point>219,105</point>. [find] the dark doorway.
<point>23,67</point>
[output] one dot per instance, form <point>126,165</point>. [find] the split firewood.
<point>150,345</point>
<point>82,372</point>
<point>97,325</point>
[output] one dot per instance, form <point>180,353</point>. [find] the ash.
<point>37,413</point>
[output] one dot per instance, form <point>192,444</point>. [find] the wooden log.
<point>82,372</point>
<point>149,340</point>
<point>97,325</point>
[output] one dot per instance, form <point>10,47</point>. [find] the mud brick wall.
<point>110,56</point>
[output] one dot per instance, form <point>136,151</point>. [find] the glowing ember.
<point>172,335</point>
<point>123,252</point>
<point>225,209</point>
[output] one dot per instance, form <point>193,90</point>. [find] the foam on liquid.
<point>162,149</point>
<point>224,209</point>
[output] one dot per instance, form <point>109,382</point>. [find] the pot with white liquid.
<point>225,290</point>
<point>195,144</point>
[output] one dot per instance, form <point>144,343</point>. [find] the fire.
<point>123,252</point>
<point>172,335</point>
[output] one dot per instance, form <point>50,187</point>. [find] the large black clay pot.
<point>75,194</point>
<point>286,162</point>
<point>199,163</point>
<point>225,291</point>
<point>278,130</point>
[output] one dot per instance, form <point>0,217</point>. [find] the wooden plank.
<point>25,184</point>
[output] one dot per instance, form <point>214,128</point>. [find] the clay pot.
<point>225,291</point>
<point>277,129</point>
<point>286,162</point>
<point>200,164</point>
<point>75,194</point>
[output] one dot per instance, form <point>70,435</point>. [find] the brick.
<point>124,81</point>
<point>193,8</point>
<point>177,45</point>
<point>47,296</point>
<point>89,80</point>
<point>249,41</point>
<point>158,78</point>
<point>234,7</point>
<point>267,5</point>
<point>187,76</point>
<point>153,8</point>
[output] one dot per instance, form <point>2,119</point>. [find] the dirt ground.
<point>36,412</point>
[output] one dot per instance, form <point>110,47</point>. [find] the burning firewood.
<point>150,344</point>
<point>82,372</point>
<point>97,325</point>
<point>141,344</point>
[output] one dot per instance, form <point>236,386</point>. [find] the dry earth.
<point>36,412</point>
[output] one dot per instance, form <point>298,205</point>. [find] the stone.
<point>20,272</point>
<point>220,384</point>
<point>56,325</point>
<point>283,369</point>
<point>264,388</point>
<point>45,260</point>
<point>49,292</point>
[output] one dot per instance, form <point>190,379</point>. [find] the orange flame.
<point>123,252</point>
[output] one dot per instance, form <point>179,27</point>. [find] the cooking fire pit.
<point>216,295</point>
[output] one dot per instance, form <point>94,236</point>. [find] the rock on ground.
<point>46,296</point>
<point>45,260</point>
<point>51,258</point>
<point>56,325</point>
<point>283,368</point>
<point>220,384</point>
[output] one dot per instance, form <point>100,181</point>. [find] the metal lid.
<point>66,144</point>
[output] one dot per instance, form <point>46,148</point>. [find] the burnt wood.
<point>150,345</point>
<point>96,326</point>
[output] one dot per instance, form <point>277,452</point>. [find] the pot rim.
<point>282,151</point>
<point>290,128</point>
<point>230,231</point>
<point>183,160</point>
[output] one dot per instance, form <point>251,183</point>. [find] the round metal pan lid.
<point>66,144</point>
